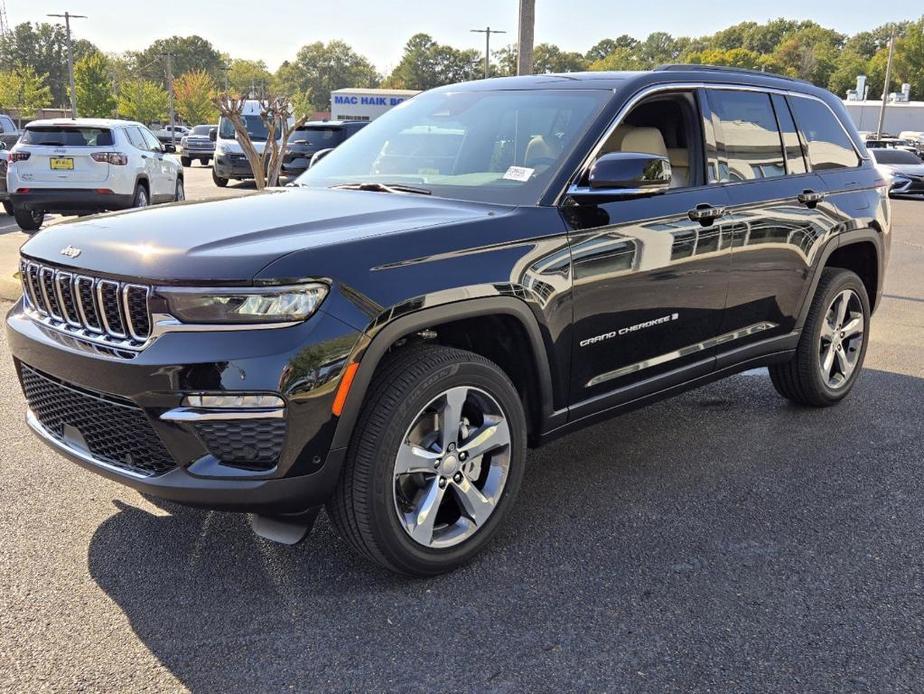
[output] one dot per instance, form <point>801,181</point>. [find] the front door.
<point>649,281</point>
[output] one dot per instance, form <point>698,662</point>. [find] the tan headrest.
<point>646,140</point>
<point>679,156</point>
<point>614,141</point>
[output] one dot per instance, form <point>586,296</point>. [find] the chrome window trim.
<point>101,302</point>
<point>129,323</point>
<point>80,306</point>
<point>645,92</point>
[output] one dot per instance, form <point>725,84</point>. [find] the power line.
<point>67,16</point>
<point>487,31</point>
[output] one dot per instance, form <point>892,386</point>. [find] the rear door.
<point>164,174</point>
<point>779,225</point>
<point>62,155</point>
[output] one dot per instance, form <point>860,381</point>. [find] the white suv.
<point>87,165</point>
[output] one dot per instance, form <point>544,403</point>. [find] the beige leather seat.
<point>539,151</point>
<point>680,166</point>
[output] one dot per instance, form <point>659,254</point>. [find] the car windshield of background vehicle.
<point>490,146</point>
<point>256,128</point>
<point>895,156</point>
<point>57,136</point>
<point>201,130</point>
<point>317,137</point>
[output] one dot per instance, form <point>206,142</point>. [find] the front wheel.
<point>29,221</point>
<point>186,162</point>
<point>8,207</point>
<point>141,196</point>
<point>219,181</point>
<point>833,343</point>
<point>435,463</point>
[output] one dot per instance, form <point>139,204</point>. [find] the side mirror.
<point>319,155</point>
<point>625,175</point>
<point>213,134</point>
<point>169,148</point>
<point>2,145</point>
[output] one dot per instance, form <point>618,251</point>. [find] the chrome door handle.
<point>706,214</point>
<point>811,198</point>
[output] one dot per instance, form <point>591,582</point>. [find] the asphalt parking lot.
<point>724,540</point>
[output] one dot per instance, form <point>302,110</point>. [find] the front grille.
<point>114,431</point>
<point>255,443</point>
<point>115,313</point>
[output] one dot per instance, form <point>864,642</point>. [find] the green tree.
<point>93,81</point>
<point>144,101</point>
<point>910,57</point>
<point>549,58</point>
<point>189,53</point>
<point>321,68</point>
<point>245,76</point>
<point>42,47</point>
<point>602,49</point>
<point>732,57</point>
<point>849,65</point>
<point>619,59</point>
<point>427,64</point>
<point>25,91</point>
<point>194,96</point>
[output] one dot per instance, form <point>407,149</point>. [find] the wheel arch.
<point>443,321</point>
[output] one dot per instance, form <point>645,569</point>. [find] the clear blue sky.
<point>379,28</point>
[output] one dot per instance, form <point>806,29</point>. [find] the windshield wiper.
<point>382,188</point>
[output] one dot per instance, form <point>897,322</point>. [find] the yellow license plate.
<point>62,164</point>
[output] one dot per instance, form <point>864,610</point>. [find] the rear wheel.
<point>435,464</point>
<point>29,221</point>
<point>141,196</point>
<point>179,194</point>
<point>8,207</point>
<point>186,162</point>
<point>832,347</point>
<point>219,181</point>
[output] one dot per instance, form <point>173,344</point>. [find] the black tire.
<point>219,181</point>
<point>205,162</point>
<point>8,207</point>
<point>179,192</point>
<point>141,197</point>
<point>362,507</point>
<point>29,221</point>
<point>802,379</point>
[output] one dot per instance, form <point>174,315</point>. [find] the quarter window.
<point>794,158</point>
<point>829,147</point>
<point>134,136</point>
<point>747,129</point>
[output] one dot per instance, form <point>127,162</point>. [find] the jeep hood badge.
<point>70,251</point>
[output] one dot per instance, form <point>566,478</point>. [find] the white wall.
<point>865,115</point>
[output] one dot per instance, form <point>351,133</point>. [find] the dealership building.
<point>366,104</point>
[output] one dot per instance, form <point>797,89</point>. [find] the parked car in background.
<point>230,162</point>
<point>4,195</point>
<point>197,144</point>
<point>314,137</point>
<point>903,170</point>
<point>389,334</point>
<point>915,138</point>
<point>172,134</point>
<point>86,165</point>
<point>9,133</point>
<point>890,142</point>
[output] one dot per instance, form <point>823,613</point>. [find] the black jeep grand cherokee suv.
<point>485,268</point>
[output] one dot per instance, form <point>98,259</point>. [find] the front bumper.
<point>301,363</point>
<point>69,200</point>
<point>194,151</point>
<point>232,167</point>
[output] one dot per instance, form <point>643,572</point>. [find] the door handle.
<point>706,214</point>
<point>811,198</point>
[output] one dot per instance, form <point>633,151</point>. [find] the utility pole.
<point>169,57</point>
<point>525,37</point>
<point>4,24</point>
<point>487,31</point>
<point>67,16</point>
<point>885,87</point>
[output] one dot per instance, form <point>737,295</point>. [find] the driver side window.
<point>666,125</point>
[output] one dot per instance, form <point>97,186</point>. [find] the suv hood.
<point>231,240</point>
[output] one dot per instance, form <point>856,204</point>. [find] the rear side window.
<point>7,125</point>
<point>747,127</point>
<point>59,136</point>
<point>829,147</point>
<point>791,144</point>
<point>134,136</point>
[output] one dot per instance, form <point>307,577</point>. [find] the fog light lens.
<point>236,401</point>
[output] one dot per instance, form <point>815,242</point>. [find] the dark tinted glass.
<point>202,129</point>
<point>58,136</point>
<point>791,145</point>
<point>319,137</point>
<point>828,144</point>
<point>747,127</point>
<point>894,156</point>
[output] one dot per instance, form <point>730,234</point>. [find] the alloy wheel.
<point>452,467</point>
<point>841,339</point>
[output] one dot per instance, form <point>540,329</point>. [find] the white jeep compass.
<point>87,165</point>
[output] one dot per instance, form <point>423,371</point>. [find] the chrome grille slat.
<point>100,310</point>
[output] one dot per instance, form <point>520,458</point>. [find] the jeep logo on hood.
<point>70,251</point>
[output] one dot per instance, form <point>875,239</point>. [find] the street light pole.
<point>525,37</point>
<point>885,87</point>
<point>169,57</point>
<point>67,16</point>
<point>487,31</point>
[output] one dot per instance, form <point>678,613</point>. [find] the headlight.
<point>244,305</point>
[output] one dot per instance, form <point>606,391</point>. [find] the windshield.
<point>201,129</point>
<point>58,136</point>
<point>894,156</point>
<point>255,127</point>
<point>493,146</point>
<point>319,137</point>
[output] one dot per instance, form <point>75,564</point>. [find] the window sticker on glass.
<point>518,173</point>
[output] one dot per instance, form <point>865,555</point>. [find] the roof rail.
<point>684,67</point>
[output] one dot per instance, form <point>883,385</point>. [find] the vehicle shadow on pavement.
<point>722,539</point>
